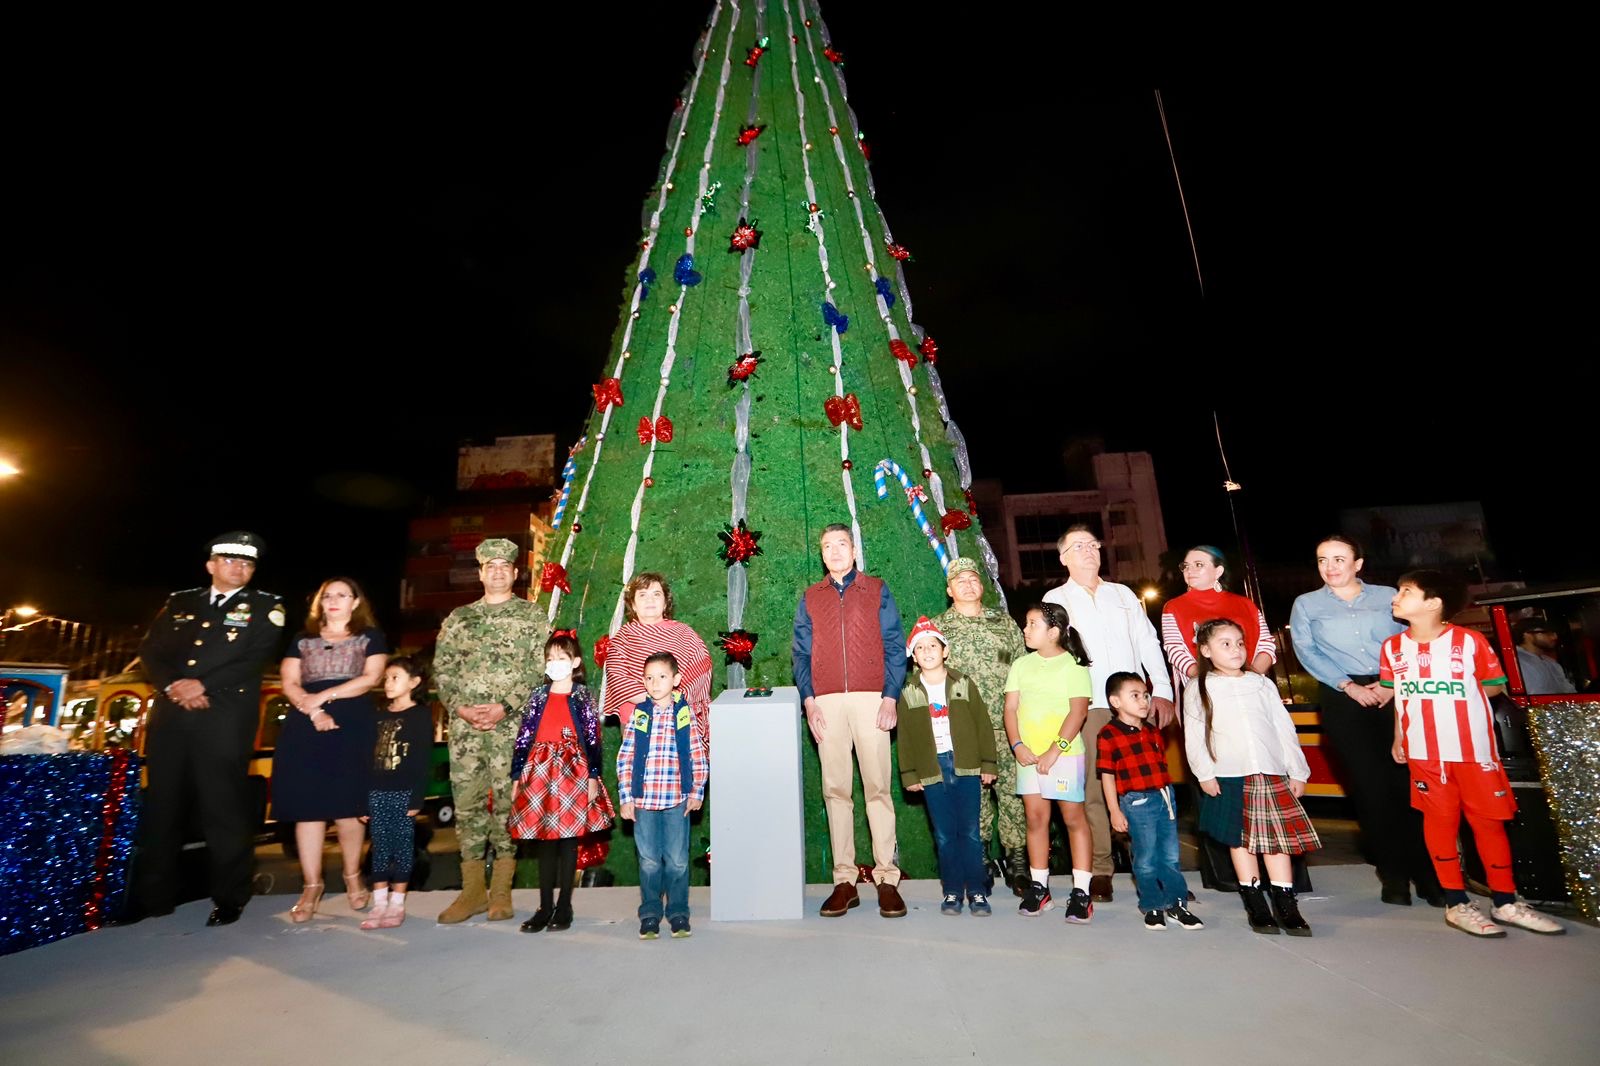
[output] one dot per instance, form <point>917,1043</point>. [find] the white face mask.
<point>558,669</point>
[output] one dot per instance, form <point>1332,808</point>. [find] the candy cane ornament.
<point>914,497</point>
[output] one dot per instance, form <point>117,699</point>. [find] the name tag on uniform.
<point>238,615</point>
<point>685,716</point>
<point>641,720</point>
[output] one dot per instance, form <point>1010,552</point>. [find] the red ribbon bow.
<point>915,493</point>
<point>554,576</point>
<point>929,349</point>
<point>844,408</point>
<point>661,431</point>
<point>954,520</point>
<point>902,351</point>
<point>570,634</point>
<point>602,649</point>
<point>608,393</point>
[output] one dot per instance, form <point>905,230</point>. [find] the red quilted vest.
<point>846,641</point>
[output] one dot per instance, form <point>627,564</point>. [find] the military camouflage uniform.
<point>984,649</point>
<point>487,653</point>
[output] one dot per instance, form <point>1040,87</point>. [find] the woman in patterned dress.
<point>320,769</point>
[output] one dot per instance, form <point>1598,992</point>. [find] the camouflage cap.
<point>961,565</point>
<point>498,549</point>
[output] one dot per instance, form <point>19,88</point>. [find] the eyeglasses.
<point>1084,546</point>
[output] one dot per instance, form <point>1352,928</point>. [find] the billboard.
<point>508,463</point>
<point>1413,535</point>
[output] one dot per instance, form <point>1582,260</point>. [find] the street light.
<point>1150,594</point>
<point>8,468</point>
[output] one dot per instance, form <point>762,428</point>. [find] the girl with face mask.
<point>558,796</point>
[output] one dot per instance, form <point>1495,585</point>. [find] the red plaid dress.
<point>551,799</point>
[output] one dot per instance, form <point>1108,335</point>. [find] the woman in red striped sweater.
<point>1203,568</point>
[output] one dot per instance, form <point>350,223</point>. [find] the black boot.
<point>1020,878</point>
<point>1257,910</point>
<point>1288,909</point>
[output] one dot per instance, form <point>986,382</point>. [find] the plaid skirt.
<point>1259,814</point>
<point>550,801</point>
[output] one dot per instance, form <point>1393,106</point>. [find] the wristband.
<point>1063,744</point>
<point>1015,745</point>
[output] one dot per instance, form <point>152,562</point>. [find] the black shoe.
<point>1035,901</point>
<point>649,928</point>
<point>680,928</point>
<point>1080,908</point>
<point>1288,909</point>
<point>1256,909</point>
<point>537,923</point>
<point>1432,895</point>
<point>224,914</point>
<point>561,920</point>
<point>1020,878</point>
<point>1399,897</point>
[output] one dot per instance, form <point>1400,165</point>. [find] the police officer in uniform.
<point>204,653</point>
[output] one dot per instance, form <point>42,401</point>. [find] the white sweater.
<point>1250,730</point>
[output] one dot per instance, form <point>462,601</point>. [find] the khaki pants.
<point>850,722</point>
<point>1094,798</point>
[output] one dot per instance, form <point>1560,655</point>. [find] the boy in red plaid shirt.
<point>1132,765</point>
<point>661,779</point>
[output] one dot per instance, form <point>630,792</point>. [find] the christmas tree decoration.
<point>954,520</point>
<point>902,351</point>
<point>753,56</point>
<point>738,543</point>
<point>833,56</point>
<point>554,576</point>
<point>683,272</point>
<point>568,472</point>
<point>929,349</point>
<point>844,408</point>
<point>660,429</point>
<point>738,645</point>
<point>743,367</point>
<point>899,251</point>
<point>743,363</point>
<point>914,497</point>
<point>745,236</point>
<point>602,649</point>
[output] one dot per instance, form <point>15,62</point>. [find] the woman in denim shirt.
<point>1338,631</point>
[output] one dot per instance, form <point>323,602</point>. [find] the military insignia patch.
<point>641,720</point>
<point>275,616</point>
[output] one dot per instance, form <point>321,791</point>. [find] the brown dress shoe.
<point>843,898</point>
<point>1100,888</point>
<point>890,905</point>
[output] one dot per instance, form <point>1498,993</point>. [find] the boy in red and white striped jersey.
<point>1443,676</point>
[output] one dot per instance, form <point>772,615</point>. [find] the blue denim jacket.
<point>1334,639</point>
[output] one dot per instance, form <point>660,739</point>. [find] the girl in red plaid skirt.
<point>1246,757</point>
<point>557,795</point>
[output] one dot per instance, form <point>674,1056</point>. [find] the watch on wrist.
<point>1063,744</point>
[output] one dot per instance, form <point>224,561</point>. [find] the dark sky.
<point>274,291</point>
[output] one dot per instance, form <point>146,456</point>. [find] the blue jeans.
<point>953,806</point>
<point>1153,827</point>
<point>662,841</point>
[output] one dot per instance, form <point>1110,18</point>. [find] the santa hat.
<point>924,628</point>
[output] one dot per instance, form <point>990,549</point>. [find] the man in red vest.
<point>849,664</point>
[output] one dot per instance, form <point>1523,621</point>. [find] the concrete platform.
<point>1376,985</point>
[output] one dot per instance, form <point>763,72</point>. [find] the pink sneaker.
<point>394,915</point>
<point>376,917</point>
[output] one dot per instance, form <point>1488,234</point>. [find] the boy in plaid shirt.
<point>1132,765</point>
<point>661,778</point>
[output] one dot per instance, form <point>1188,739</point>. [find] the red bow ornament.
<point>954,520</point>
<point>608,393</point>
<point>602,649</point>
<point>554,576</point>
<point>929,349</point>
<point>844,408</point>
<point>661,431</point>
<point>902,351</point>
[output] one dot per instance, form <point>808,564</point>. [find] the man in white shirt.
<point>1118,635</point>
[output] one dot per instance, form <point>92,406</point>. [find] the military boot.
<point>505,871</point>
<point>473,898</point>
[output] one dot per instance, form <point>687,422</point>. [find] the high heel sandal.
<point>306,907</point>
<point>360,896</point>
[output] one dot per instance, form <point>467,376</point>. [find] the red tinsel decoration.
<point>738,644</point>
<point>750,133</point>
<point>902,351</point>
<point>94,907</point>
<point>608,393</point>
<point>743,367</point>
<point>899,251</point>
<point>972,505</point>
<point>554,576</point>
<point>738,543</point>
<point>660,431</point>
<point>954,520</point>
<point>844,408</point>
<point>602,649</point>
<point>753,56</point>
<point>745,236</point>
<point>833,55</point>
<point>929,349</point>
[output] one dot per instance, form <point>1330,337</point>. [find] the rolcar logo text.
<point>1434,688</point>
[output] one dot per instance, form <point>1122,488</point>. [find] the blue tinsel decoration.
<point>831,315</point>
<point>647,278</point>
<point>683,272</point>
<point>882,285</point>
<point>52,823</point>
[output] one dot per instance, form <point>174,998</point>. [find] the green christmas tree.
<point>767,378</point>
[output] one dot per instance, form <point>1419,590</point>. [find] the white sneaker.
<point>1469,919</point>
<point>1523,916</point>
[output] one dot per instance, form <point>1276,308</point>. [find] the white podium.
<point>758,814</point>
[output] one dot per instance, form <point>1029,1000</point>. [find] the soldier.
<point>489,659</point>
<point>205,652</point>
<point>984,642</point>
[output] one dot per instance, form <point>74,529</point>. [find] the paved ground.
<point>1376,985</point>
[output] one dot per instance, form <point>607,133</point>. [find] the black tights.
<point>558,861</point>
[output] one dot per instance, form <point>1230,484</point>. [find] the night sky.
<point>276,296</point>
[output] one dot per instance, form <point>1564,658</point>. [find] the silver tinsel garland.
<point>1566,736</point>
